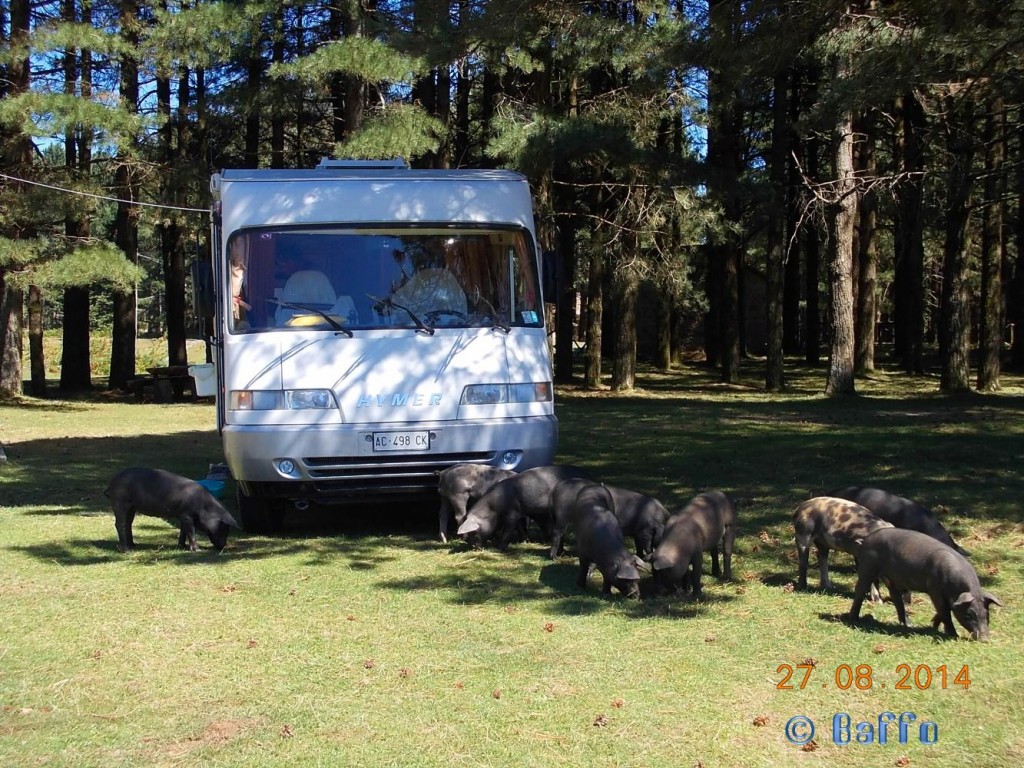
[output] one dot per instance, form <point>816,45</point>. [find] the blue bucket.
<point>215,487</point>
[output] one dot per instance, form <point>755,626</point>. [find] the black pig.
<point>910,560</point>
<point>165,494</point>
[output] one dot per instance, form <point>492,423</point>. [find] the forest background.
<point>740,177</point>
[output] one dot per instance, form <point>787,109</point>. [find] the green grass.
<point>358,639</point>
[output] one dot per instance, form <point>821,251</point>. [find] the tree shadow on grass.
<point>534,579</point>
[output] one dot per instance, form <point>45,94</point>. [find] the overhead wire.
<point>103,197</point>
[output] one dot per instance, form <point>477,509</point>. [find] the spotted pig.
<point>831,523</point>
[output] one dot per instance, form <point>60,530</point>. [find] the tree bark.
<point>993,252</point>
<point>627,286</point>
<point>842,219</point>
<point>37,364</point>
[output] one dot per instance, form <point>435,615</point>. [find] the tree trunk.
<point>595,318</point>
<point>278,111</point>
<point>626,289</point>
<point>776,247</point>
<point>172,240</point>
<point>812,248</point>
<point>17,159</point>
<point>908,280</point>
<point>993,252</point>
<point>1015,295</point>
<point>663,339</point>
<point>37,364</point>
<point>75,362</point>
<point>126,234</point>
<point>792,250</point>
<point>253,86</point>
<point>565,312</point>
<point>866,256</point>
<point>724,168</point>
<point>842,219</point>
<point>954,340</point>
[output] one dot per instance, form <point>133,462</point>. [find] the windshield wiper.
<point>389,302</point>
<point>302,308</point>
<point>495,320</point>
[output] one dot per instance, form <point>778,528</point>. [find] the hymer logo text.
<point>399,400</point>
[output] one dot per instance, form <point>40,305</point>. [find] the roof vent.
<point>328,163</point>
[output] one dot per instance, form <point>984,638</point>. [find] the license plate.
<point>401,441</point>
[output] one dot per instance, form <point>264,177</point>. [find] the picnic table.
<point>169,383</point>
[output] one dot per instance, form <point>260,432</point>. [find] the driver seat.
<point>309,287</point>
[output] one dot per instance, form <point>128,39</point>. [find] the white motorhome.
<point>374,324</point>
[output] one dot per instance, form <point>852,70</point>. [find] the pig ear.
<point>964,599</point>
<point>990,599</point>
<point>468,527</point>
<point>660,562</point>
<point>642,564</point>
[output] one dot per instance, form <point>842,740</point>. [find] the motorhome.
<point>374,324</point>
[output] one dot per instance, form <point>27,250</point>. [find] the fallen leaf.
<point>350,617</point>
<point>810,746</point>
<point>286,732</point>
<point>252,644</point>
<point>405,672</point>
<point>879,648</point>
<point>761,721</point>
<point>810,661</point>
<point>496,693</point>
<point>549,627</point>
<point>788,587</point>
<point>902,761</point>
<point>459,685</point>
<point>369,664</point>
<point>600,721</point>
<point>617,703</point>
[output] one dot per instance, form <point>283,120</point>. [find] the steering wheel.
<point>435,314</point>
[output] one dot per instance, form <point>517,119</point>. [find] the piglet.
<point>910,560</point>
<point>705,524</point>
<point>641,517</point>
<point>499,512</point>
<point>165,494</point>
<point>460,485</point>
<point>901,512</point>
<point>599,542</point>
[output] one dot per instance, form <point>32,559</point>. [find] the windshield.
<point>285,279</point>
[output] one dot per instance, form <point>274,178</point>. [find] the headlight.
<point>276,400</point>
<point>492,394</point>
<point>485,394</point>
<point>303,399</point>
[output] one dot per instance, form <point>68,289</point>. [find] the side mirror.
<point>549,268</point>
<point>202,288</point>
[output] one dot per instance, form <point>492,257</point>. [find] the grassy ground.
<point>356,638</point>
